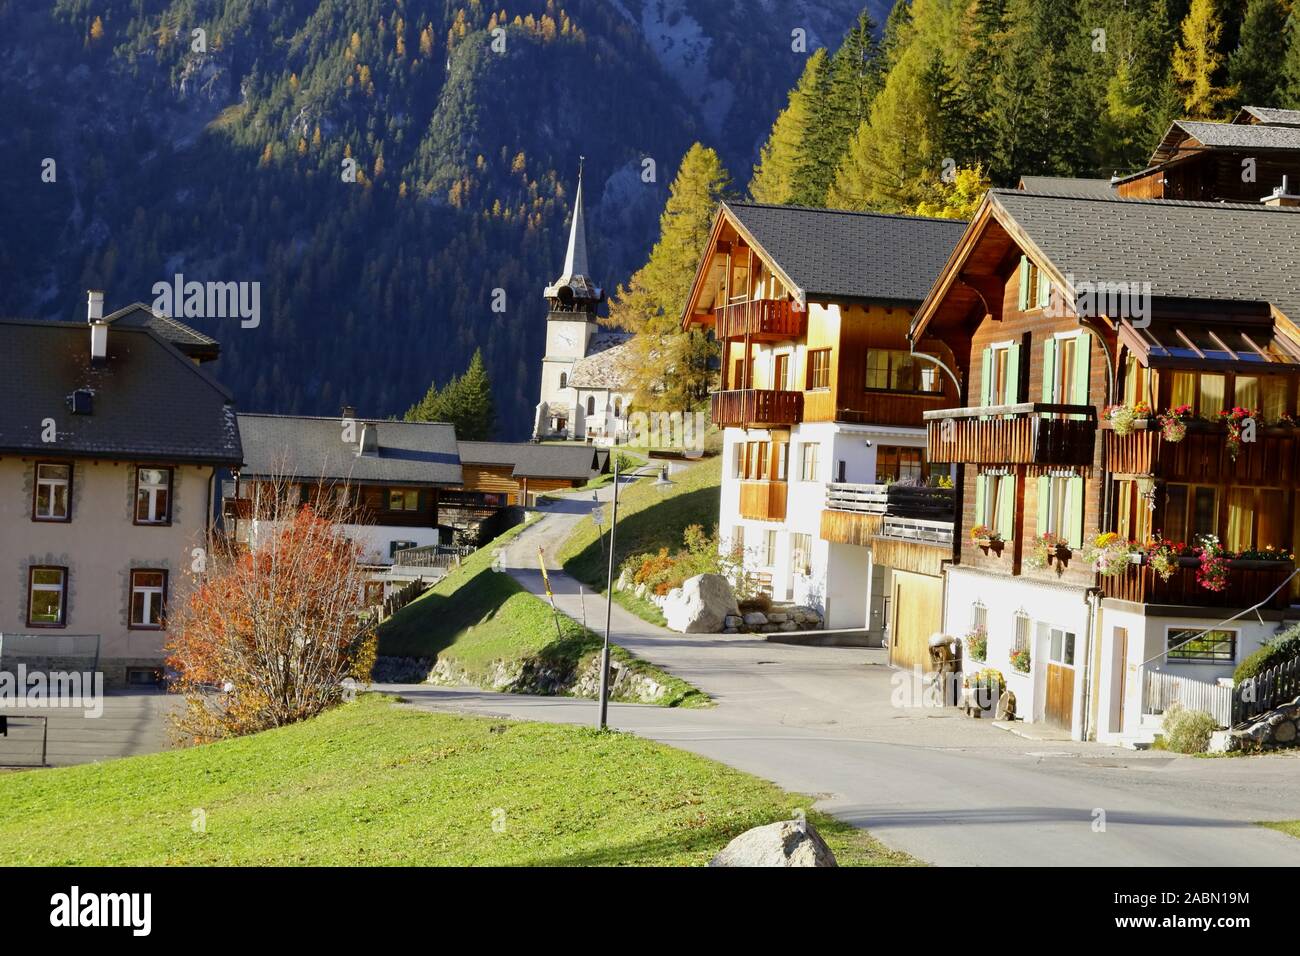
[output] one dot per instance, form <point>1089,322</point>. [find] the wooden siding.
<point>1214,176</point>
<point>763,500</point>
<point>848,527</point>
<point>1016,438</point>
<point>494,479</point>
<point>1202,456</point>
<point>1249,582</point>
<point>910,556</point>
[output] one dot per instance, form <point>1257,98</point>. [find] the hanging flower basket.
<point>982,536</point>
<point>1235,418</point>
<point>1047,549</point>
<point>1110,554</point>
<point>1173,423</point>
<point>1123,417</point>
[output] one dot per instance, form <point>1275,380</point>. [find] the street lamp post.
<point>609,606</point>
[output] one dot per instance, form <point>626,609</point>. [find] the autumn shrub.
<point>1188,731</point>
<point>272,629</point>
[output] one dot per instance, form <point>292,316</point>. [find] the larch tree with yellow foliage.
<point>1198,63</point>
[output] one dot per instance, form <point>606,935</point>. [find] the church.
<point>585,390</point>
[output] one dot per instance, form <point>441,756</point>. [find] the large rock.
<point>788,843</point>
<point>701,605</point>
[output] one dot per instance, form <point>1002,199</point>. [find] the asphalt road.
<point>839,724</point>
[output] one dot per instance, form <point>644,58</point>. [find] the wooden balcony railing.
<point>763,500</point>
<point>763,320</point>
<point>1032,433</point>
<point>1249,582</point>
<point>741,408</point>
<point>1202,455</point>
<point>857,514</point>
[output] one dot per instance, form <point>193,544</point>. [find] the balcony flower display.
<point>1163,555</point>
<point>1235,418</point>
<point>1047,547</point>
<point>1268,553</point>
<point>984,536</point>
<point>1020,660</point>
<point>1122,417</point>
<point>1213,571</point>
<point>1110,554</point>
<point>977,643</point>
<point>1173,423</point>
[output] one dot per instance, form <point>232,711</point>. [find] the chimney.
<point>1281,196</point>
<point>98,327</point>
<point>369,444</point>
<point>348,412</point>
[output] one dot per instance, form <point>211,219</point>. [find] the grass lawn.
<point>648,519</point>
<point>371,783</point>
<point>1286,826</point>
<point>475,617</point>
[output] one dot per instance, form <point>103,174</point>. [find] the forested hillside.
<point>223,160</point>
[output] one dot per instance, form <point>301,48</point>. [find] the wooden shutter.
<point>1082,351</point>
<point>980,492</point>
<point>1049,369</point>
<point>1012,393</point>
<point>1023,301</point>
<point>1044,289</point>
<point>1044,489</point>
<point>986,379</point>
<point>1074,530</point>
<point>1007,507</point>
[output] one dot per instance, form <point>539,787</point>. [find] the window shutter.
<point>1023,301</point>
<point>1081,355</point>
<point>1013,376</point>
<point>986,377</point>
<point>1049,369</point>
<point>980,482</point>
<point>1044,289</point>
<point>1044,489</point>
<point>1007,507</point>
<point>1076,512</point>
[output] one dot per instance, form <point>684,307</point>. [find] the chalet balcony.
<point>757,407</point>
<point>1249,582</point>
<point>1032,433</point>
<point>763,500</point>
<point>859,514</point>
<point>763,320</point>
<point>1202,456</point>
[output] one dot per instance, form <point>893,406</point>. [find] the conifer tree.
<point>465,402</point>
<point>1198,61</point>
<point>1253,66</point>
<point>791,151</point>
<point>1289,81</point>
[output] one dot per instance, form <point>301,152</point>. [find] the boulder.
<point>787,843</point>
<point>701,605</point>
<point>755,619</point>
<point>733,621</point>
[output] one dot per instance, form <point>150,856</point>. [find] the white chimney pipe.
<point>94,305</point>
<point>98,342</point>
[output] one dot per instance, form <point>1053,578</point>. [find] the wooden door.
<point>1118,681</point>
<point>914,617</point>
<point>782,375</point>
<point>1060,695</point>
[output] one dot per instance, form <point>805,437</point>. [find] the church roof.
<point>576,278</point>
<point>606,364</point>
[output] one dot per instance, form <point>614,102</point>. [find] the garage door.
<point>914,616</point>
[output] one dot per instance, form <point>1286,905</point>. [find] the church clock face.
<point>566,339</point>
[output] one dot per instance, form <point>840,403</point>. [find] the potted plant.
<point>982,690</point>
<point>1173,423</point>
<point>985,537</point>
<point>1110,554</point>
<point>977,643</point>
<point>1122,417</point>
<point>1212,574</point>
<point>1020,660</point>
<point>1235,418</point>
<point>1163,555</point>
<point>1048,548</point>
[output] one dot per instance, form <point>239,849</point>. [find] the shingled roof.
<point>836,254</point>
<point>1186,250</point>
<point>1069,186</point>
<point>308,448</point>
<point>1268,114</point>
<point>606,368</point>
<point>148,401</point>
<point>1224,136</point>
<point>190,341</point>
<point>531,460</point>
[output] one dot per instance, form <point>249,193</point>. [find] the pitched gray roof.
<point>852,255</point>
<point>606,368</point>
<point>294,446</point>
<point>1227,136</point>
<point>1068,186</point>
<point>1270,115</point>
<point>149,401</point>
<point>1186,250</point>
<point>530,460</point>
<point>190,341</point>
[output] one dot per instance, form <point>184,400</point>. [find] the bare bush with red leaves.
<point>272,629</point>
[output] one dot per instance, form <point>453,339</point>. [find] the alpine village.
<point>955,433</point>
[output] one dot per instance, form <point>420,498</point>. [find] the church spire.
<point>575,290</point>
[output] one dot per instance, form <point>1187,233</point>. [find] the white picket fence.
<point>1160,689</point>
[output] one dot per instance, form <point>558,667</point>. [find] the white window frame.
<point>61,589</point>
<point>803,461</point>
<point>151,490</point>
<point>803,567</point>
<point>154,600</point>
<point>1236,647</point>
<point>52,484</point>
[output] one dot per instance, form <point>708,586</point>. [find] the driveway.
<point>838,724</point>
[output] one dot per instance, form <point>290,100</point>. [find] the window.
<point>896,370</point>
<point>1020,640</point>
<point>782,460</point>
<point>762,456</point>
<point>564,380</point>
<point>591,404</point>
<point>801,553</point>
<point>808,461</point>
<point>740,452</point>
<point>395,546</point>
<point>979,616</point>
<point>47,596</point>
<point>403,499</point>
<point>53,501</point>
<point>781,372</point>
<point>148,592</point>
<point>1205,392</point>
<point>1191,646</point>
<point>819,368</point>
<point>1190,511</point>
<point>1060,645</point>
<point>895,463</point>
<point>618,407</point>
<point>1035,289</point>
<point>1000,374</point>
<point>995,503</point>
<point>769,549</point>
<point>153,498</point>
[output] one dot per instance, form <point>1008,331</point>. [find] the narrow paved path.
<point>828,722</point>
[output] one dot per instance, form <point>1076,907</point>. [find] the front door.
<point>914,616</point>
<point>782,374</point>
<point>1118,674</point>
<point>1059,707</point>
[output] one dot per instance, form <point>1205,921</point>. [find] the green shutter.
<point>986,376</point>
<point>1049,368</point>
<point>1044,486</point>
<point>1013,376</point>
<point>980,481</point>
<point>1081,355</point>
<point>1076,512</point>
<point>1007,507</point>
<point>1044,289</point>
<point>1024,284</point>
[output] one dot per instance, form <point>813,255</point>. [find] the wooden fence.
<point>1160,689</point>
<point>1272,686</point>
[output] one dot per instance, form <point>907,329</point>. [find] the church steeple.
<point>575,290</point>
